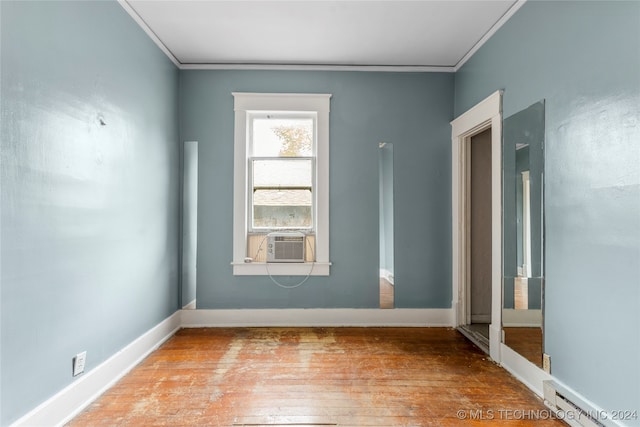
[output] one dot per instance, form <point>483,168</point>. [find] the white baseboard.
<point>533,377</point>
<point>335,317</point>
<point>521,318</point>
<point>521,368</point>
<point>71,400</point>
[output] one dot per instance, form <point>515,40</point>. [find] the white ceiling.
<point>416,34</point>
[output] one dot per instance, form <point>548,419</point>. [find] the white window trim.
<point>247,102</point>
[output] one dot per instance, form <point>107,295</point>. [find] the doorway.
<point>478,176</point>
<point>477,251</point>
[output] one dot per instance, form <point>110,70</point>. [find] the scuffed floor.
<point>317,376</point>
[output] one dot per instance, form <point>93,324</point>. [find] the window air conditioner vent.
<point>285,247</point>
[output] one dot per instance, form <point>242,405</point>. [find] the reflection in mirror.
<point>189,223</point>
<point>385,168</point>
<point>523,206</point>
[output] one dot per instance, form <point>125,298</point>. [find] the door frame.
<point>486,114</point>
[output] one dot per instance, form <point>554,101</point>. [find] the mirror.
<point>189,239</point>
<point>523,207</point>
<point>385,185</point>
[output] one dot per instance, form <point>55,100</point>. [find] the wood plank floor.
<point>527,342</point>
<point>317,376</point>
<point>521,293</point>
<point>386,294</point>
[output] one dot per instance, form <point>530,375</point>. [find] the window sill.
<point>281,269</point>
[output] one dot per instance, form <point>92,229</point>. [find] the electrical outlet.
<point>78,363</point>
<point>546,363</point>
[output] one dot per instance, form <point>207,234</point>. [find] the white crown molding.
<point>277,67</point>
<point>320,67</point>
<point>504,18</point>
<point>132,12</point>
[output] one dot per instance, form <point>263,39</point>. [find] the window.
<point>281,179</point>
<point>282,170</point>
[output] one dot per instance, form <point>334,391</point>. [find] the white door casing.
<point>486,114</point>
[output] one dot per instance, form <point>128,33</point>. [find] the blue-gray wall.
<point>411,110</point>
<point>583,58</point>
<point>89,212</point>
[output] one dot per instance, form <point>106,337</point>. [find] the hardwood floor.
<point>527,342</point>
<point>386,294</point>
<point>317,376</point>
<point>521,293</point>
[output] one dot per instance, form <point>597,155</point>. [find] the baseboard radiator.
<point>572,409</point>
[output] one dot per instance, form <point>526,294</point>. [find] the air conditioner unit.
<point>285,247</point>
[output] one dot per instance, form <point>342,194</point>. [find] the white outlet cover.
<point>78,363</point>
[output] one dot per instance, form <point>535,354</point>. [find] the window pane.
<point>282,193</point>
<point>282,209</point>
<point>282,173</point>
<point>282,137</point>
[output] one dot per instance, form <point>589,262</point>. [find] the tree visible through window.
<point>296,140</point>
